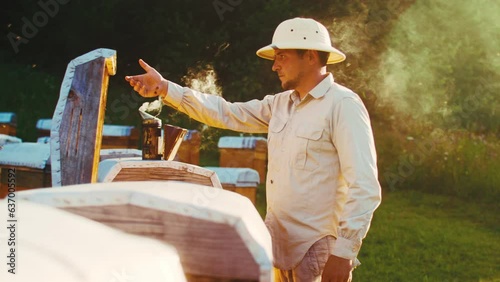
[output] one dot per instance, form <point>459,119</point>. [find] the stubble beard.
<point>292,83</point>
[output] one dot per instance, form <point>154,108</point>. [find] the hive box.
<point>219,235</point>
<point>243,181</point>
<point>251,152</point>
<point>31,164</point>
<point>189,151</point>
<point>8,123</point>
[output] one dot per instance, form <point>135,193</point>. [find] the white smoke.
<point>203,80</point>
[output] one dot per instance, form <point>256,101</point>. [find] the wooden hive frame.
<point>218,234</point>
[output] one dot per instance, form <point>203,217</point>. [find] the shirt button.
<point>272,181</point>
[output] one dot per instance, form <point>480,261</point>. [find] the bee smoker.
<point>151,139</point>
<point>172,138</point>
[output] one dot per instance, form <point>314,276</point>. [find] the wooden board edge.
<point>110,62</point>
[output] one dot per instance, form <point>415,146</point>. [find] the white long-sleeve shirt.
<point>322,170</point>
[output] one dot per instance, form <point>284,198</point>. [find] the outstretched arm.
<point>252,116</point>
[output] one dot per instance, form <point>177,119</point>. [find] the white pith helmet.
<point>301,33</point>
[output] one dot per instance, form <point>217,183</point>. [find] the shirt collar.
<point>318,91</point>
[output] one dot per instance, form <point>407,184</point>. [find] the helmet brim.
<point>268,52</point>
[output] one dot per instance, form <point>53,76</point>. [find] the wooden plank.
<point>76,131</point>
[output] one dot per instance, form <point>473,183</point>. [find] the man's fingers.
<point>144,65</point>
<point>137,87</point>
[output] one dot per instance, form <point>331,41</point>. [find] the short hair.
<point>322,55</point>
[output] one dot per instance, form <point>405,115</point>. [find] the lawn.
<point>422,237</point>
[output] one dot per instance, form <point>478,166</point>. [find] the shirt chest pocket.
<point>275,134</point>
<point>309,147</point>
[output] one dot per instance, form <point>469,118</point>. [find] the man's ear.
<point>313,57</point>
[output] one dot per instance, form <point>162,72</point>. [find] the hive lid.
<point>116,130</point>
<point>7,139</point>
<point>7,117</point>
<point>210,228</point>
<point>33,155</point>
<point>239,142</point>
<point>55,245</point>
<point>240,177</point>
<point>44,124</point>
<point>108,129</point>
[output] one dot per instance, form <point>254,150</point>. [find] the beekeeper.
<point>322,187</point>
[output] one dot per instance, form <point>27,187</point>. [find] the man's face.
<point>290,67</point>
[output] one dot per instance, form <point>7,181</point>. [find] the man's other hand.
<point>337,269</point>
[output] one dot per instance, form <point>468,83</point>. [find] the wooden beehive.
<point>8,123</point>
<point>119,136</point>
<point>25,166</point>
<point>59,246</point>
<point>251,152</point>
<point>136,169</point>
<point>189,151</point>
<point>243,181</point>
<point>219,235</point>
<point>113,136</point>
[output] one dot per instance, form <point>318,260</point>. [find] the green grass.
<point>421,237</point>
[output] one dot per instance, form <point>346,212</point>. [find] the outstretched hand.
<point>150,84</point>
